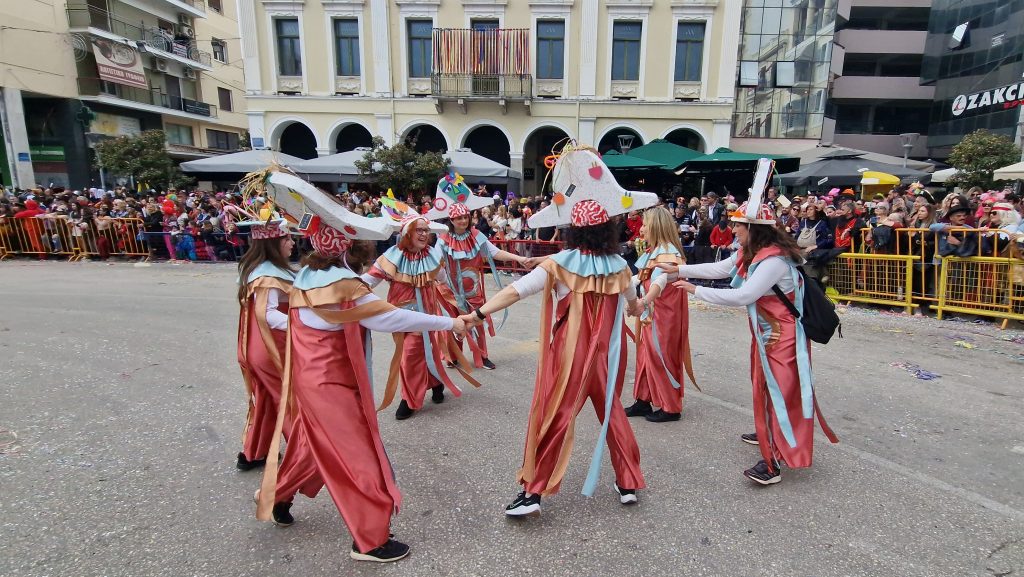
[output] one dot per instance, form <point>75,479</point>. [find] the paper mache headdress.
<point>579,174</point>
<point>754,211</point>
<point>453,194</point>
<point>399,215</point>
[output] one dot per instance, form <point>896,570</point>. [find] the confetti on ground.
<point>1018,339</point>
<point>899,331</point>
<point>916,371</point>
<point>965,345</point>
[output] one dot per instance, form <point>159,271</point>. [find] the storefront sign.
<point>47,153</point>
<point>118,63</point>
<point>115,125</point>
<point>1001,98</point>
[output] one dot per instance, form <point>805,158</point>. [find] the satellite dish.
<point>80,45</point>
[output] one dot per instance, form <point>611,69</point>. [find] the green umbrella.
<point>725,159</point>
<point>616,160</point>
<point>670,155</point>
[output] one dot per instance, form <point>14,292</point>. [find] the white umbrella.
<point>241,162</point>
<point>943,175</point>
<point>1012,172</point>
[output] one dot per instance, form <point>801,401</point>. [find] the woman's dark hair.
<point>600,239</point>
<point>260,250</point>
<point>358,257</point>
<point>515,212</point>
<point>761,236</point>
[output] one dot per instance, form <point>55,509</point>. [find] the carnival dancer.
<point>780,364</point>
<point>264,281</point>
<point>586,289</point>
<point>466,250</point>
<point>417,281</point>
<point>329,381</point>
<point>662,331</point>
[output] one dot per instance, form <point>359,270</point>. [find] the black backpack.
<point>820,320</point>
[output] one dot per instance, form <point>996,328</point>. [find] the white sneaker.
<point>626,496</point>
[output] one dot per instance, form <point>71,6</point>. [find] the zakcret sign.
<point>1002,98</point>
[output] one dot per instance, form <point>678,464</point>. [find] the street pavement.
<point>121,409</point>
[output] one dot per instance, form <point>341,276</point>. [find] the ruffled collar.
<point>588,264</point>
<point>462,246</point>
<point>650,257</point>
<point>267,268</point>
<point>308,279</point>
<point>424,262</point>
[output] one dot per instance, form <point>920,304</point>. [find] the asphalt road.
<point>121,407</point>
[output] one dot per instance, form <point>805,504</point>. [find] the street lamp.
<point>908,140</point>
<point>625,143</point>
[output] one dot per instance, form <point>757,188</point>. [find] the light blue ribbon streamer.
<point>654,331</point>
<point>614,351</point>
<point>368,353</point>
<point>803,355</point>
<point>427,347</point>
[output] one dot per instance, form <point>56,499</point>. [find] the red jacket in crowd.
<point>721,237</point>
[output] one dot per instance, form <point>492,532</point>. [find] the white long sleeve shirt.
<point>275,318</point>
<point>535,281</point>
<point>372,281</point>
<point>396,321</point>
<point>770,271</point>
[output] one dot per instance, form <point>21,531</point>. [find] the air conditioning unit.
<point>186,30</point>
<point>190,73</point>
<point>184,19</point>
<point>160,65</point>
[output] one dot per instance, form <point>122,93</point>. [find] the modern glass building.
<point>784,64</point>
<point>974,56</point>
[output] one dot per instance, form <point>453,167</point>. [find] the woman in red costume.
<point>586,289</point>
<point>265,279</point>
<point>417,281</point>
<point>780,363</point>
<point>332,393</point>
<point>466,251</point>
<point>662,336</point>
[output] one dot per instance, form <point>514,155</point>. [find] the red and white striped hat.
<point>588,212</point>
<point>458,209</point>
<point>329,242</point>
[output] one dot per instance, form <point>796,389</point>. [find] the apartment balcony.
<point>195,8</point>
<point>881,88</point>
<point>481,64</point>
<point>138,35</point>
<point>857,41</point>
<point>152,100</point>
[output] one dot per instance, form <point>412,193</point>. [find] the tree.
<point>401,168</point>
<point>978,155</point>
<point>144,157</point>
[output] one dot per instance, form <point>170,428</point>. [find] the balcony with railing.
<point>481,64</point>
<point>175,105</point>
<point>181,48</point>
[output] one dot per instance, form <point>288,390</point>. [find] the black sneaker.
<point>661,416</point>
<point>244,464</point>
<point>639,409</point>
<point>626,496</point>
<point>524,506</point>
<point>488,364</point>
<point>450,364</point>
<point>403,412</point>
<point>386,553</point>
<point>760,474</point>
<point>437,394</point>
<point>749,438</point>
<point>282,514</point>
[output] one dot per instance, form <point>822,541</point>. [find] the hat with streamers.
<point>266,225</point>
<point>452,191</point>
<point>578,174</point>
<point>399,215</point>
<point>753,211</point>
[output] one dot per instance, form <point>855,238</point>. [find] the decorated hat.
<point>399,215</point>
<point>587,213</point>
<point>579,174</point>
<point>313,207</point>
<point>265,225</point>
<point>753,211</point>
<point>329,242</point>
<point>451,192</point>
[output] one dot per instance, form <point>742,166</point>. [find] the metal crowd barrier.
<point>39,237</point>
<point>880,279</point>
<point>985,286</point>
<point>527,248</point>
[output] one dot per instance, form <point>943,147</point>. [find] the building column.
<point>586,131</point>
<point>729,54</point>
<point>721,131</point>
<point>381,49</point>
<point>12,116</point>
<point>257,130</point>
<point>516,164</point>
<point>588,52</point>
<point>323,151</point>
<point>386,128</point>
<point>250,47</point>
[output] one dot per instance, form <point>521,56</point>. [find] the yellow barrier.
<point>117,236</point>
<point>881,279</point>
<point>5,237</point>
<point>42,236</point>
<point>986,286</point>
